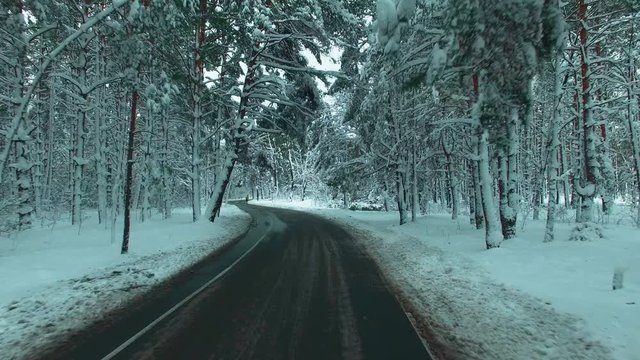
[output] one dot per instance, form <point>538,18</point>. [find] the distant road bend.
<point>296,286</point>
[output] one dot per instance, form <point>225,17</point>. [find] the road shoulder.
<point>49,316</point>
<point>461,311</point>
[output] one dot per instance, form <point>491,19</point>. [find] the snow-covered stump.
<point>618,278</point>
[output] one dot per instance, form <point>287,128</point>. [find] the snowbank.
<point>54,279</point>
<point>525,300</point>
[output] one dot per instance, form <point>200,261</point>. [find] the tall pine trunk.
<point>492,226</point>
<point>451,178</point>
<point>633,116</point>
<point>197,96</point>
<point>508,181</point>
<point>100,159</point>
<point>414,184</point>
<point>401,189</point>
<point>470,193</point>
<point>239,134</point>
<point>493,238</point>
<point>129,176</point>
<point>164,164</point>
<point>553,147</point>
<point>22,139</point>
<point>477,197</point>
<point>586,184</point>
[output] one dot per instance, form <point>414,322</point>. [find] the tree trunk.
<point>385,195</point>
<point>451,178</point>
<point>552,152</point>
<point>634,115</point>
<point>470,193</point>
<point>507,182</point>
<point>607,173</point>
<point>80,136</point>
<point>566,184</point>
<point>50,141</point>
<point>586,185</point>
<point>479,213</point>
<point>222,182</point>
<point>414,184</point>
<point>164,163</point>
<point>23,180</point>
<point>197,96</point>
<point>129,177</point>
<point>291,177</point>
<point>22,138</point>
<point>401,189</point>
<point>537,199</point>
<point>453,187</point>
<point>146,174</point>
<point>195,166</point>
<point>344,197</point>
<point>100,159</point>
<point>492,234</point>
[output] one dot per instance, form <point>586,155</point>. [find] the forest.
<point>488,109</point>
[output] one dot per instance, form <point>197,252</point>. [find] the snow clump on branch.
<point>392,16</point>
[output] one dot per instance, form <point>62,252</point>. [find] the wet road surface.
<point>304,291</point>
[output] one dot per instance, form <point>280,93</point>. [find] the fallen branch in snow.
<point>131,287</point>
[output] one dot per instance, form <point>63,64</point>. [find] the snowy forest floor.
<point>525,300</point>
<point>59,279</point>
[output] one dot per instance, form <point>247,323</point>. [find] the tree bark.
<point>492,235</point>
<point>164,163</point>
<point>633,115</point>
<point>493,238</point>
<point>414,184</point>
<point>451,178</point>
<point>586,185</point>
<point>479,213</point>
<point>129,177</point>
<point>197,95</point>
<point>470,193</point>
<point>401,193</point>
<point>553,147</point>
<point>507,181</point>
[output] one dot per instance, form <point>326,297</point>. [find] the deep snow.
<point>55,279</point>
<point>525,300</point>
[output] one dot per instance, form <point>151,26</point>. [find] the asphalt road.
<point>304,291</point>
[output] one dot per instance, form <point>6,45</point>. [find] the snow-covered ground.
<point>525,300</point>
<point>54,279</point>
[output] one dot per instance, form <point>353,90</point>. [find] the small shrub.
<point>365,206</point>
<point>586,232</point>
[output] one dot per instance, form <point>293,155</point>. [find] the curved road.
<point>304,290</point>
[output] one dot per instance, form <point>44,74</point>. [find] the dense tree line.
<point>501,106</point>
<point>496,109</point>
<point>141,105</point>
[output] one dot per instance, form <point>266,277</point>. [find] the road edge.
<point>438,348</point>
<point>63,343</point>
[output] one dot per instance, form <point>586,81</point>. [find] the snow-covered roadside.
<point>57,281</point>
<point>526,300</point>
